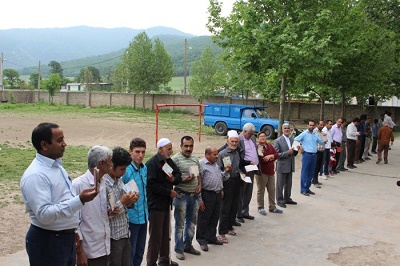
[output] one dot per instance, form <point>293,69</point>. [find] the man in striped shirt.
<point>120,243</point>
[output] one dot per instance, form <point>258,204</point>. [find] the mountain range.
<point>77,47</point>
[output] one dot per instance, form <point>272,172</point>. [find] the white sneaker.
<point>325,177</point>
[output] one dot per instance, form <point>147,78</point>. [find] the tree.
<point>34,80</point>
<point>88,79</point>
<point>202,83</point>
<point>144,67</point>
<point>55,68</point>
<point>95,73</point>
<point>269,38</point>
<point>52,84</point>
<point>11,76</point>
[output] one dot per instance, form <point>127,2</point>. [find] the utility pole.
<point>184,68</point>
<point>1,72</point>
<point>39,82</point>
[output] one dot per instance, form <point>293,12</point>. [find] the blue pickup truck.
<point>224,117</point>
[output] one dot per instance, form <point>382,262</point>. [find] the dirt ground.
<point>78,130</point>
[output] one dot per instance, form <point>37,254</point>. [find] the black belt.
<point>310,152</point>
<point>66,231</point>
<point>180,191</point>
<point>212,191</point>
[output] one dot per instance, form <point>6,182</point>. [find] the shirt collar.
<point>48,161</point>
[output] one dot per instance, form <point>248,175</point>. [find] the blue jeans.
<point>185,214</point>
<point>308,162</point>
<point>138,242</point>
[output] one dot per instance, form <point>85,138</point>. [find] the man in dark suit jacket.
<point>284,167</point>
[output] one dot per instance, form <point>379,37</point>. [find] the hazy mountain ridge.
<point>25,47</point>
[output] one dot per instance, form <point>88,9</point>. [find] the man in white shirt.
<point>352,137</point>
<point>328,144</point>
<point>94,229</point>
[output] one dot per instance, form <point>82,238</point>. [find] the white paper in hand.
<point>227,161</point>
<point>245,178</point>
<point>295,145</point>
<point>131,186</point>
<point>194,170</point>
<point>251,167</point>
<point>260,150</point>
<point>112,200</point>
<point>167,169</point>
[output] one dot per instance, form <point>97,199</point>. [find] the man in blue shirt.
<point>50,201</point>
<point>309,140</point>
<point>139,214</point>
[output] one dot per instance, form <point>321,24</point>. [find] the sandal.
<point>222,238</point>
<point>231,232</point>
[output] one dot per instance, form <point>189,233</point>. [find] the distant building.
<point>98,86</point>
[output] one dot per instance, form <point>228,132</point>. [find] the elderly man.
<point>337,136</point>
<point>328,145</point>
<point>284,167</point>
<point>230,202</point>
<point>94,229</point>
<point>186,202</point>
<point>211,194</point>
<point>352,139</point>
<point>309,140</point>
<point>162,174</point>
<point>248,151</point>
<point>50,201</point>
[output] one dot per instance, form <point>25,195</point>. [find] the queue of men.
<point>106,215</point>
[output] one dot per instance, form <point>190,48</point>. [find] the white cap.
<point>162,142</point>
<point>232,134</point>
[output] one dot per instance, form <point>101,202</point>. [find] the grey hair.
<point>285,124</point>
<point>98,154</point>
<point>385,123</point>
<point>249,127</point>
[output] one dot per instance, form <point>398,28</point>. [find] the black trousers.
<point>351,151</point>
<point>207,220</point>
<point>320,156</point>
<point>229,204</point>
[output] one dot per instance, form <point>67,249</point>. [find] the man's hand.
<point>188,178</point>
<point>198,189</point>
<point>290,152</point>
<point>114,212</point>
<point>202,207</point>
<point>88,194</point>
<point>129,198</point>
<point>170,178</point>
<point>173,193</point>
<point>228,167</point>
<point>81,258</point>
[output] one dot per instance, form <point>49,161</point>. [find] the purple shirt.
<point>250,151</point>
<point>337,133</point>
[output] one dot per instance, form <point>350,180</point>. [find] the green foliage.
<point>95,72</point>
<point>11,77</point>
<point>34,80</point>
<point>56,68</point>
<point>52,84</point>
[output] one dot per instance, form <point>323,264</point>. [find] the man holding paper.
<point>139,214</point>
<point>122,197</point>
<point>159,197</point>
<point>285,166</point>
<point>267,156</point>
<point>186,202</point>
<point>94,230</point>
<point>248,150</point>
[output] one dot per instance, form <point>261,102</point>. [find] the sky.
<point>189,16</point>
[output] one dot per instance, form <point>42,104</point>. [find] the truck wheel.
<point>221,129</point>
<point>269,131</point>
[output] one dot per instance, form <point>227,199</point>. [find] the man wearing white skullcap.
<point>230,202</point>
<point>162,174</point>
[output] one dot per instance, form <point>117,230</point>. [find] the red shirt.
<point>268,168</point>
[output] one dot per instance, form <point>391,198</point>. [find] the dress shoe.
<point>172,263</point>
<point>249,217</point>
<point>343,169</point>
<point>317,185</point>
<point>204,247</point>
<point>351,166</point>
<point>378,161</point>
<point>236,223</point>
<point>310,192</point>
<point>192,251</point>
<point>240,220</point>
<point>292,202</point>
<point>283,205</point>
<point>305,194</point>
<point>216,242</point>
<point>180,256</point>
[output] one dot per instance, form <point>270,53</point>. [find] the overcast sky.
<point>189,16</point>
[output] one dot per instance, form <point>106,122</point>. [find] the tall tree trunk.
<point>282,105</point>
<point>144,101</point>
<point>343,104</point>
<point>322,110</point>
<point>333,109</point>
